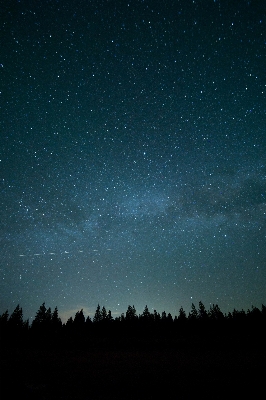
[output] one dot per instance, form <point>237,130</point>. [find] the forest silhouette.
<point>203,351</point>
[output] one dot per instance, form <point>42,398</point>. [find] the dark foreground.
<point>182,370</point>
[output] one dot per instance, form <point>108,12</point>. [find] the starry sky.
<point>132,155</point>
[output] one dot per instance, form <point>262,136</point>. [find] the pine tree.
<point>48,316</point>
<point>56,320</point>
<point>202,313</point>
<point>263,310</point>
<point>40,318</point>
<point>69,323</point>
<point>104,313</point>
<point>26,325</point>
<point>109,316</point>
<point>182,315</point>
<point>43,319</point>
<point>163,316</point>
<point>4,318</point>
<point>16,318</point>
<point>169,317</point>
<point>131,313</point>
<point>215,313</point>
<point>193,314</point>
<point>98,315</point>
<point>156,316</point>
<point>4,324</point>
<point>79,319</point>
<point>146,315</point>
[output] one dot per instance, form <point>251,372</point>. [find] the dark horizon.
<point>196,311</point>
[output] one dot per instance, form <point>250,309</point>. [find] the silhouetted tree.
<point>254,321</point>
<point>146,316</point>
<point>254,314</point>
<point>238,316</point>
<point>15,329</point>
<point>104,313</point>
<point>215,313</point>
<point>109,316</point>
<point>169,317</point>
<point>16,318</point>
<point>202,313</point>
<point>3,322</point>
<point>88,320</point>
<point>26,325</point>
<point>98,314</point>
<point>48,315</point>
<point>4,325</point>
<point>163,318</point>
<point>193,314</point>
<point>56,321</point>
<point>69,323</point>
<point>263,310</point>
<point>182,315</point>
<point>131,313</point>
<point>42,318</point>
<point>156,316</point>
<point>229,316</point>
<point>79,319</point>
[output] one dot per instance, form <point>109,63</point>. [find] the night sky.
<point>133,155</point>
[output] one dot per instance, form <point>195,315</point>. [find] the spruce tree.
<point>131,313</point>
<point>104,313</point>
<point>202,313</point>
<point>98,315</point>
<point>56,320</point>
<point>40,318</point>
<point>146,315</point>
<point>182,314</point>
<point>4,323</point>
<point>79,320</point>
<point>16,318</point>
<point>109,316</point>
<point>193,314</point>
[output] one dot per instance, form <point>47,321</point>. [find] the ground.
<point>134,372</point>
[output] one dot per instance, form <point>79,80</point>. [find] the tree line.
<point>48,325</point>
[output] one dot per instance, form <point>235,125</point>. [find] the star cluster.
<point>132,155</point>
